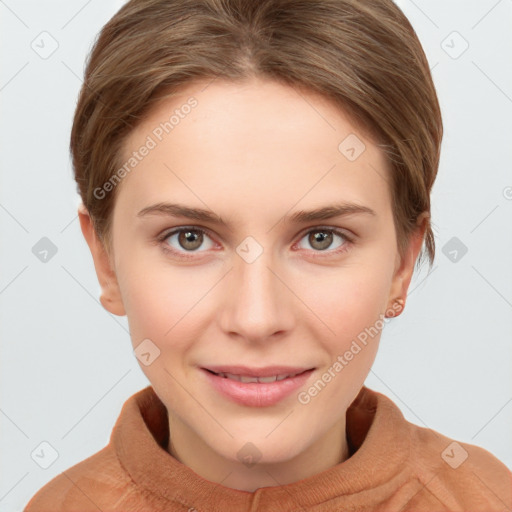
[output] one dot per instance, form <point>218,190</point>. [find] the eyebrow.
<point>301,216</point>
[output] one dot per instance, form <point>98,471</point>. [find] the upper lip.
<point>267,371</point>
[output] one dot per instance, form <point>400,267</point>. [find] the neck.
<point>188,448</point>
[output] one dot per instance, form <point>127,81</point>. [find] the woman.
<point>256,181</point>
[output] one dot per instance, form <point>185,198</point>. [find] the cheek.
<point>348,299</point>
<point>351,306</point>
<point>161,302</point>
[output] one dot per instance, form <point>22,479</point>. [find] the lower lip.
<point>257,394</point>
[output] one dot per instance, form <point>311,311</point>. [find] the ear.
<point>404,267</point>
<point>110,296</point>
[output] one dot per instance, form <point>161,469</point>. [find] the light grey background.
<point>67,365</point>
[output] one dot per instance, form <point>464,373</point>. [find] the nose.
<point>258,302</point>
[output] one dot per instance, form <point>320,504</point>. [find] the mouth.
<point>247,378</point>
<point>272,373</point>
<point>257,387</point>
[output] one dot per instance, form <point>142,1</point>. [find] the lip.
<point>257,394</point>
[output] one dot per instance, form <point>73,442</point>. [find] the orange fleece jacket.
<point>394,465</point>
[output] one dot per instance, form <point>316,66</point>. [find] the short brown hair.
<point>362,54</point>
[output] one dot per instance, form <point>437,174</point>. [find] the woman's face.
<point>265,271</point>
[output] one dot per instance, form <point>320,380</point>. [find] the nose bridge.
<point>258,306</point>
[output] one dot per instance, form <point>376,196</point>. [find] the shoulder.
<point>459,473</point>
<point>93,484</point>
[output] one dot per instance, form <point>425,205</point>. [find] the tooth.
<point>249,379</point>
<point>245,378</point>
<point>267,379</point>
<point>232,376</point>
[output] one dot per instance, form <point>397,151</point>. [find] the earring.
<point>396,308</point>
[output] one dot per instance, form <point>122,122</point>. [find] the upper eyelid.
<point>166,233</point>
<point>337,230</point>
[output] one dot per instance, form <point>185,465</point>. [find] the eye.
<point>183,241</point>
<point>321,239</point>
<point>187,239</point>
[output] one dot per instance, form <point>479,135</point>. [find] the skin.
<point>253,153</point>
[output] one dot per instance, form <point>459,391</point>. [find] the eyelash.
<point>183,255</point>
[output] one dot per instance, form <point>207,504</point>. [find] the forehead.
<point>253,140</point>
